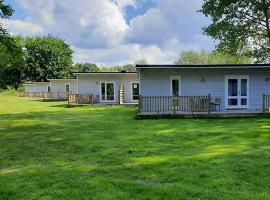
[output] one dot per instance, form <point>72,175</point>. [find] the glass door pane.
<point>175,87</point>
<point>243,87</point>
<point>243,92</point>
<point>103,91</point>
<point>232,87</point>
<point>110,91</point>
<point>232,92</point>
<point>135,91</point>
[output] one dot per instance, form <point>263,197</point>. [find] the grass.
<point>48,151</point>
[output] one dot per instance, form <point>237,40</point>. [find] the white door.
<point>237,92</point>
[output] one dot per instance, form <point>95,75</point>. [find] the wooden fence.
<point>266,103</point>
<point>46,95</point>
<point>80,99</point>
<point>171,105</point>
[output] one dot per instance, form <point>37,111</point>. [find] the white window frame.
<point>135,100</point>
<point>227,77</point>
<point>66,87</point>
<point>100,92</point>
<point>175,78</point>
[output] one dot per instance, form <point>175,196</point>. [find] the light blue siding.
<point>156,82</point>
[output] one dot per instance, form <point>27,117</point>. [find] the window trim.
<point>175,78</point>
<point>227,77</point>
<point>66,87</point>
<point>100,91</point>
<point>135,100</point>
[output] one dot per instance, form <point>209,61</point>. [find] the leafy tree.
<point>141,62</point>
<point>203,57</point>
<point>241,26</point>
<point>12,65</point>
<point>5,40</point>
<point>86,67</point>
<point>47,57</point>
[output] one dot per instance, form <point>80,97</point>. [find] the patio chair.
<point>216,104</point>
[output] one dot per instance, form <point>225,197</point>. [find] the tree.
<point>203,57</point>
<point>241,26</point>
<point>5,40</point>
<point>12,65</point>
<point>47,58</point>
<point>140,62</point>
<point>86,67</point>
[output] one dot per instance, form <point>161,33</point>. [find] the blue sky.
<point>110,32</point>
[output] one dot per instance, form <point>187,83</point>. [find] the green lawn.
<point>48,151</point>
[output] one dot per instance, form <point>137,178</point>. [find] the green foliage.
<point>5,40</point>
<point>47,58</point>
<point>203,57</point>
<point>90,67</point>
<point>86,67</point>
<point>12,65</point>
<point>128,68</point>
<point>102,152</point>
<point>34,59</point>
<point>241,27</point>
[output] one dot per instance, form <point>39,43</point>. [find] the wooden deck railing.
<point>46,95</point>
<point>171,105</point>
<point>266,103</point>
<point>80,99</point>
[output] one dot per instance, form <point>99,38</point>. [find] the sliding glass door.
<point>107,92</point>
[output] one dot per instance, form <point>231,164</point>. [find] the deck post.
<point>209,104</point>
<point>263,103</point>
<point>140,99</point>
<point>92,100</point>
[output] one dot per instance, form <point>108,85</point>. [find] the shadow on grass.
<point>102,152</point>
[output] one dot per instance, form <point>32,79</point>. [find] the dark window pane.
<point>232,87</point>
<point>243,87</point>
<point>232,102</point>
<point>49,89</point>
<point>103,91</point>
<point>243,102</point>
<point>110,91</point>
<point>135,91</point>
<point>67,88</point>
<point>175,87</point>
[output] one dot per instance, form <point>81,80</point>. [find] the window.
<point>175,86</point>
<point>135,91</point>
<point>67,87</point>
<point>48,88</point>
<point>107,91</point>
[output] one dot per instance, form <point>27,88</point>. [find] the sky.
<point>115,32</point>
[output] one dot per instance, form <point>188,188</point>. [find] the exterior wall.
<point>37,87</point>
<point>156,82</point>
<point>30,88</point>
<point>42,86</point>
<point>60,85</point>
<point>90,84</point>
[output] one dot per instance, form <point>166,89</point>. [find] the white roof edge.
<point>120,73</point>
<point>64,79</point>
<point>34,83</point>
<point>233,67</point>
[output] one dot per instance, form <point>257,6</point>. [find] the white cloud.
<point>170,19</point>
<point>128,53</point>
<point>87,23</point>
<point>21,27</point>
<point>99,33</point>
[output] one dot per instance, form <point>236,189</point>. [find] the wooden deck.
<point>227,113</point>
<point>195,106</point>
<point>47,96</point>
